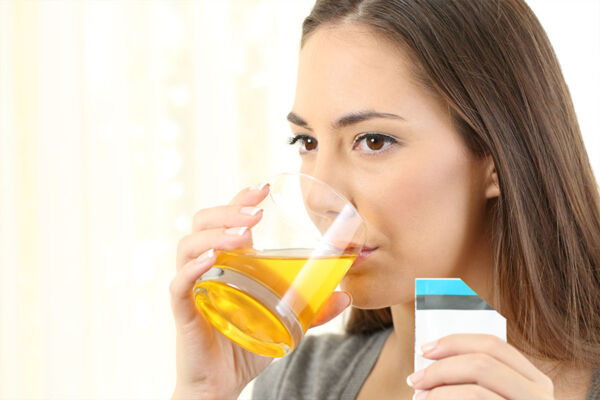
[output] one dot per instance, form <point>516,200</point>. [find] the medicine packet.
<point>447,306</point>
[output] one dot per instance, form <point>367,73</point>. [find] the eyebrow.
<point>348,119</point>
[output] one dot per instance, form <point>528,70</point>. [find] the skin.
<point>427,218</point>
<point>209,366</point>
<point>425,200</point>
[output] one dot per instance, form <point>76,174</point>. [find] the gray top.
<point>333,366</point>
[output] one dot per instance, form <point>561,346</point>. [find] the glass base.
<point>247,312</point>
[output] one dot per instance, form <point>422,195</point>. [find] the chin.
<point>369,294</point>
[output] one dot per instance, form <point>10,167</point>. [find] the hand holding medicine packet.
<point>448,306</point>
<point>461,349</point>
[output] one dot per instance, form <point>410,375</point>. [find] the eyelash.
<point>387,139</point>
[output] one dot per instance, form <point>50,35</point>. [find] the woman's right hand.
<point>208,364</point>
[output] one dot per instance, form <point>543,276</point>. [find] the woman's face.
<point>422,194</point>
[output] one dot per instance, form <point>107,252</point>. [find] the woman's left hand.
<point>474,366</point>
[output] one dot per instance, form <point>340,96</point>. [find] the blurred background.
<point>119,119</point>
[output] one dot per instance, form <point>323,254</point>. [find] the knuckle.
<point>181,245</point>
<point>198,223</point>
<point>446,340</point>
<point>490,343</point>
<point>480,364</point>
<point>173,288</point>
<point>548,385</point>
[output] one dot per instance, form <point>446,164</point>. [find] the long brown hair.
<point>493,64</point>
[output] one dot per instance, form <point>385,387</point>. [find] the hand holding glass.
<point>265,297</point>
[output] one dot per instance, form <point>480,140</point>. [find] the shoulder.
<point>312,369</point>
<point>594,391</point>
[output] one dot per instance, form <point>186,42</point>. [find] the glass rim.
<point>346,201</point>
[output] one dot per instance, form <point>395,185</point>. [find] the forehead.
<point>349,66</point>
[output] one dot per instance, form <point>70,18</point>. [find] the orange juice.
<point>295,276</point>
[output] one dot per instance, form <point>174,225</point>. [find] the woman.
<point>449,126</point>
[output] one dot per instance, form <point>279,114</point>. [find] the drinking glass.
<point>264,296</point>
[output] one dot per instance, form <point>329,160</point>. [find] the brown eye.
<point>310,144</point>
<point>374,143</point>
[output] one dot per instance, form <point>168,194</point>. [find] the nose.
<point>333,215</point>
<point>323,194</point>
<point>321,199</point>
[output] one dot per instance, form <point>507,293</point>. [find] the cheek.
<point>425,212</point>
<point>430,203</point>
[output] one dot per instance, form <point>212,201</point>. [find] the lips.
<point>364,253</point>
<point>353,247</point>
<point>367,249</point>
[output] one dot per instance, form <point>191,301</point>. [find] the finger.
<point>252,195</point>
<point>226,216</point>
<point>476,368</point>
<point>191,246</point>
<point>181,287</point>
<point>239,212</point>
<point>494,346</point>
<point>334,306</point>
<point>463,392</point>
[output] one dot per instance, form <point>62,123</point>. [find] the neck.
<point>402,338</point>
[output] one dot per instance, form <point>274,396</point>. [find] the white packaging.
<point>448,306</point>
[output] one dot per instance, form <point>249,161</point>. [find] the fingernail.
<point>414,378</point>
<point>206,255</point>
<point>427,347</point>
<point>421,395</point>
<point>236,231</point>
<point>349,299</point>
<point>259,187</point>
<point>250,210</point>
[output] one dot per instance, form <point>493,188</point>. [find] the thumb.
<point>337,302</point>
